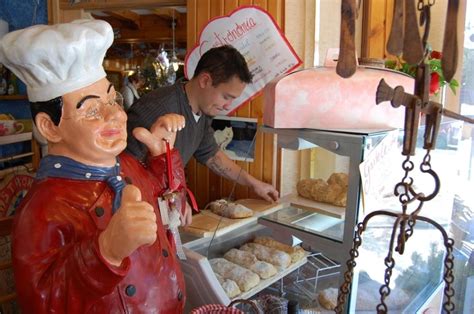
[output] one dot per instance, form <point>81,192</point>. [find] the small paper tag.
<point>164,209</point>
<point>179,244</point>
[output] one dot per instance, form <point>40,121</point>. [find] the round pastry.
<point>339,178</point>
<point>319,190</point>
<point>304,187</point>
<point>328,298</point>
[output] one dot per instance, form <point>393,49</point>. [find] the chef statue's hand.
<point>265,191</point>
<point>164,128</point>
<point>133,225</point>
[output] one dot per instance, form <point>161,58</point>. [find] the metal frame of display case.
<point>352,144</point>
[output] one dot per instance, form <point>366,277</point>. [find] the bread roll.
<point>230,210</point>
<point>296,252</point>
<point>319,190</point>
<point>328,298</point>
<point>341,199</point>
<point>305,187</point>
<point>334,191</point>
<point>263,269</point>
<point>239,257</point>
<point>340,179</point>
<point>269,255</point>
<point>248,260</point>
<point>230,287</point>
<point>244,278</point>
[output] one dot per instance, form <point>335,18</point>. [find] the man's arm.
<point>225,167</point>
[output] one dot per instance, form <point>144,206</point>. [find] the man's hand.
<point>265,191</point>
<point>164,128</point>
<point>133,225</point>
<point>222,165</point>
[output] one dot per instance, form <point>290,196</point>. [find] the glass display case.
<point>372,161</point>
<point>329,232</point>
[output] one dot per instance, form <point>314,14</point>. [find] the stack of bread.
<point>296,252</point>
<point>334,191</point>
<point>228,209</point>
<point>241,269</point>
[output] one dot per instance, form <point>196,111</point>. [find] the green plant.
<point>437,77</point>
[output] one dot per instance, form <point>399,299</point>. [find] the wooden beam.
<point>119,4</point>
<point>126,16</point>
<point>152,29</point>
<point>167,13</point>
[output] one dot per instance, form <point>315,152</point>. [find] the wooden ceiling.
<point>137,31</point>
<point>139,25</point>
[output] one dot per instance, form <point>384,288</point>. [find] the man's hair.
<point>53,108</point>
<point>223,63</point>
<point>135,77</point>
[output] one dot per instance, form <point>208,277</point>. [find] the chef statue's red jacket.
<point>57,264</point>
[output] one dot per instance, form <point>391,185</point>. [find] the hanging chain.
<point>351,264</point>
<point>424,6</point>
<point>405,221</point>
<point>425,3</point>
<point>448,306</point>
<point>405,185</point>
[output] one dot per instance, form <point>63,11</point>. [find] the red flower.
<point>434,84</point>
<point>435,55</point>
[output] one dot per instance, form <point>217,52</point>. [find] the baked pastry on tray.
<point>276,257</point>
<point>248,260</point>
<point>228,209</point>
<point>230,287</point>
<point>244,278</point>
<point>334,191</point>
<point>296,252</point>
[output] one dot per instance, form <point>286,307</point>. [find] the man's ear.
<point>205,80</point>
<point>47,128</point>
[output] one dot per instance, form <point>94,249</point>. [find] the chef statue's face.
<point>92,129</point>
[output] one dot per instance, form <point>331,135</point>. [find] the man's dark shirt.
<point>197,138</point>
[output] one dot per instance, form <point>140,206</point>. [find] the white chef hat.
<point>53,60</point>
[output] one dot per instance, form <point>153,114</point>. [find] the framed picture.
<point>236,136</point>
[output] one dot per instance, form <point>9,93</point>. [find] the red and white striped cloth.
<point>216,309</point>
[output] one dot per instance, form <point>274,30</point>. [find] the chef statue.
<point>88,237</point>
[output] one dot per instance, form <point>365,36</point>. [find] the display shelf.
<point>318,267</point>
<point>304,284</point>
<point>13,97</point>
<point>264,283</point>
<point>322,208</point>
<point>199,275</point>
<point>15,138</point>
<point>33,162</point>
<point>208,224</point>
<point>10,158</point>
<point>327,231</point>
<point>27,166</point>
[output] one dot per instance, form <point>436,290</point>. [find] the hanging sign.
<point>377,175</point>
<point>253,32</point>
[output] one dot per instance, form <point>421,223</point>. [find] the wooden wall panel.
<point>206,185</point>
<point>216,8</point>
<point>375,27</point>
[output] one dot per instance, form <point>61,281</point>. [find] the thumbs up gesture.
<point>133,225</point>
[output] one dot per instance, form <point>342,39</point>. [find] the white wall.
<point>329,26</point>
